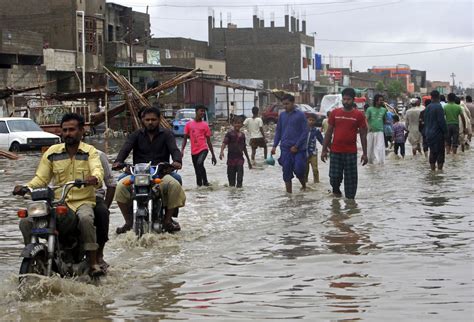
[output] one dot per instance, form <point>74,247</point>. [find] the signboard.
<point>335,74</point>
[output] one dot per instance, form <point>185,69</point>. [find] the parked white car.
<point>18,133</point>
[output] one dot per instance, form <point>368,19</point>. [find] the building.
<point>125,28</point>
<point>418,78</point>
<point>21,59</point>
<point>60,22</point>
<point>443,88</point>
<point>276,55</point>
<point>399,72</point>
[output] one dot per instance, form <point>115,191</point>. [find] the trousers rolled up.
<point>199,169</point>
<point>82,220</point>
<point>376,147</point>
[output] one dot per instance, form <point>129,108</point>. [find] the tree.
<point>380,87</point>
<point>394,89</point>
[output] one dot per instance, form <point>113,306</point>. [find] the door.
<point>4,136</point>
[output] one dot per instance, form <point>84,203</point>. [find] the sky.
<point>349,29</point>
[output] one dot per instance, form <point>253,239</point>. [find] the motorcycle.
<point>60,254</point>
<point>147,205</point>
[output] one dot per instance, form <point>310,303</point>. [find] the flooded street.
<point>402,251</point>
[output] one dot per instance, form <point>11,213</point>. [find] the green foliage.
<point>380,87</point>
<point>395,89</point>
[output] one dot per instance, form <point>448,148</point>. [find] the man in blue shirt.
<point>291,133</point>
<point>435,130</point>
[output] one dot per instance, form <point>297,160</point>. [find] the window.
<point>111,33</point>
<point>3,127</point>
<point>99,44</point>
<point>79,40</point>
<point>23,126</point>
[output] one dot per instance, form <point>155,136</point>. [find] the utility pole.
<point>130,42</point>
<point>82,13</point>
<point>454,84</point>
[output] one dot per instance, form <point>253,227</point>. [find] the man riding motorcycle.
<point>65,162</point>
<point>151,144</point>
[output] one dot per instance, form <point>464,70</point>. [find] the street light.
<point>82,13</point>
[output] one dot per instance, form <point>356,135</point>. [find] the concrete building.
<point>418,78</point>
<point>442,87</point>
<point>399,72</point>
<point>60,23</point>
<point>21,59</point>
<point>125,28</point>
<point>276,55</point>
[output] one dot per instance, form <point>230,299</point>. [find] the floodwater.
<point>403,251</point>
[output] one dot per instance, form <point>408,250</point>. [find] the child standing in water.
<point>199,134</point>
<point>311,148</point>
<point>399,136</point>
<point>235,140</point>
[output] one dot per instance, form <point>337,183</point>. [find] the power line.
<point>218,5</point>
<point>408,53</point>
<point>281,17</point>
<point>396,42</point>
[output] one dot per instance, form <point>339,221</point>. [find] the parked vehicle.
<point>48,252</point>
<point>147,206</point>
<point>182,117</point>
<point>17,133</point>
<point>330,102</point>
<point>271,113</point>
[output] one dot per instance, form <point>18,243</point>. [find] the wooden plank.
<point>8,155</point>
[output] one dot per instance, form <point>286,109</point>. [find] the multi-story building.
<point>399,72</point>
<point>60,22</point>
<point>276,55</point>
<point>126,29</point>
<point>418,78</point>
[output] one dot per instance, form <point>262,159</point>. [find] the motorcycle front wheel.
<point>139,228</point>
<point>35,265</point>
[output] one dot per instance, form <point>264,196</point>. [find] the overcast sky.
<point>426,25</point>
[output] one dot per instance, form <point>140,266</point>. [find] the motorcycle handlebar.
<point>67,187</point>
<point>130,168</point>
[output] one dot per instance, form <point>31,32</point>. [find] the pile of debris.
<point>135,100</point>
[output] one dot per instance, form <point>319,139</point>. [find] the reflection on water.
<point>402,249</point>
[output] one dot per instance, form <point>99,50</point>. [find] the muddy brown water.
<point>403,251</point>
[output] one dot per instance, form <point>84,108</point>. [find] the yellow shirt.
<point>57,166</point>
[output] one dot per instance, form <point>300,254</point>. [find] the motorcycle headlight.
<point>142,180</point>
<point>38,209</point>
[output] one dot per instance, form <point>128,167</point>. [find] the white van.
<point>18,133</point>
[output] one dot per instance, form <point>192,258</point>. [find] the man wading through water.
<point>344,123</point>
<point>291,133</point>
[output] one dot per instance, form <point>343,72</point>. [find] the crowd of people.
<point>438,127</point>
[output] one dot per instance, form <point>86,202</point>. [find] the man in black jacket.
<point>151,144</point>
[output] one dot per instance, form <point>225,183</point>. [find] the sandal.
<point>123,229</point>
<point>96,271</point>
<point>172,227</point>
<point>104,265</point>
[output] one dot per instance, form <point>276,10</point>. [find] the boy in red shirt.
<point>344,123</point>
<point>199,133</point>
